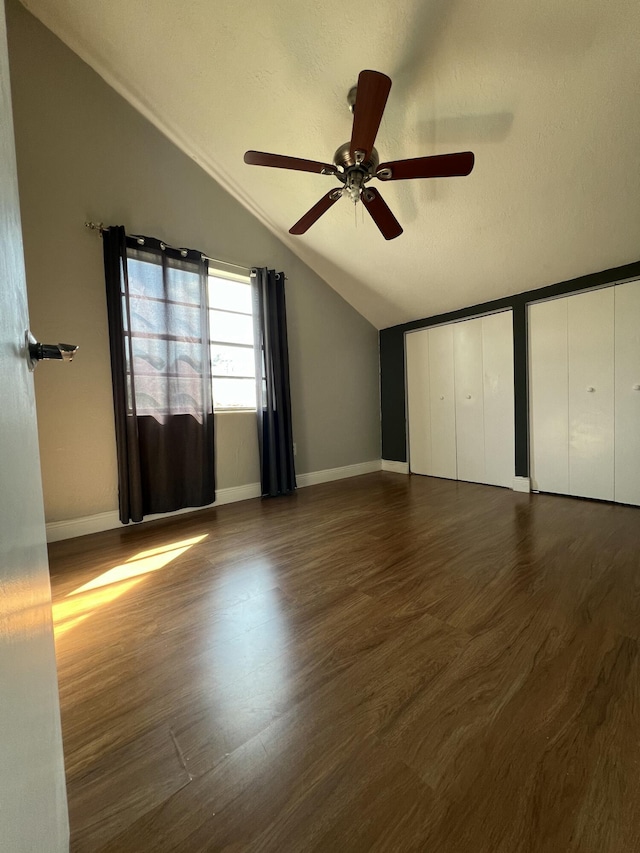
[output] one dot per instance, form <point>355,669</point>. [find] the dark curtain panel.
<point>160,366</point>
<point>277,472</point>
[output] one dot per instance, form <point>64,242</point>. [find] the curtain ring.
<point>184,253</point>
<point>140,241</point>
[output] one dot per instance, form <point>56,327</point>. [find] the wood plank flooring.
<point>386,663</point>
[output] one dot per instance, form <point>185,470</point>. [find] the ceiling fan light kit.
<point>357,162</point>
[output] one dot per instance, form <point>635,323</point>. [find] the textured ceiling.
<point>546,93</point>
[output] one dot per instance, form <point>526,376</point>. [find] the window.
<point>163,317</point>
<point>232,346</point>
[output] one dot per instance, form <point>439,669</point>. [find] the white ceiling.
<point>545,92</point>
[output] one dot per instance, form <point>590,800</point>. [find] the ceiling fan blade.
<point>371,98</point>
<point>311,216</point>
<point>380,213</point>
<point>439,166</point>
<point>281,161</point>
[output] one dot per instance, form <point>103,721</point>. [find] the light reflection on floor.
<point>250,677</point>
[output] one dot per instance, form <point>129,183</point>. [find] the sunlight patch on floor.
<point>86,599</point>
<point>141,564</point>
<point>71,612</point>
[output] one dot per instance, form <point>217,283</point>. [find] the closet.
<point>584,394</point>
<point>460,400</point>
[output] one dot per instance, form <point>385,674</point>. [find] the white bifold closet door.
<point>499,415</point>
<point>442,417</point>
<point>467,360</point>
<point>590,348</point>
<point>431,403</point>
<point>549,396</point>
<point>571,343</point>
<point>627,392</point>
<point>418,401</point>
<point>460,400</point>
<point>584,382</point>
<point>483,374</point>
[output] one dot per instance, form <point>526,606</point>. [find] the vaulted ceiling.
<point>545,93</point>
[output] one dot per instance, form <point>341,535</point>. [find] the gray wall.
<point>84,153</point>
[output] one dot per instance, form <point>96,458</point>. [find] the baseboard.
<point>521,484</point>
<point>58,530</point>
<point>326,476</point>
<point>396,467</point>
<point>236,493</point>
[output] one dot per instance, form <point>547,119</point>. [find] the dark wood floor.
<point>386,663</point>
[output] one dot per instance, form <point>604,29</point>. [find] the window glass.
<point>232,345</point>
<point>227,327</point>
<point>234,393</point>
<point>170,357</point>
<point>229,295</point>
<point>232,361</point>
<point>145,278</point>
<point>149,315</point>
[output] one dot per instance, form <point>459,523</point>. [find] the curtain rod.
<point>100,227</point>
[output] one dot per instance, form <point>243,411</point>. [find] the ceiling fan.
<point>356,162</point>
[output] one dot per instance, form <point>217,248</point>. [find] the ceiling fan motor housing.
<point>343,158</point>
<point>354,174</point>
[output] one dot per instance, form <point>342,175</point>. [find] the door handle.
<point>47,352</point>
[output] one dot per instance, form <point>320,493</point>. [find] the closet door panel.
<point>549,395</point>
<point>442,403</point>
<point>499,426</point>
<point>418,398</point>
<point>627,392</point>
<point>591,405</point>
<point>467,339</point>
